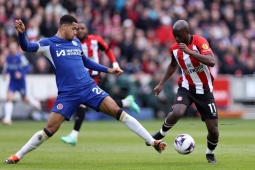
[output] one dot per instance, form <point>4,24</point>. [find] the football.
<point>184,144</point>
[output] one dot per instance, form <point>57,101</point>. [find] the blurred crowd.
<point>140,33</point>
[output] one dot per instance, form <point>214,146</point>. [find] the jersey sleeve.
<point>43,45</point>
<point>27,46</point>
<point>203,45</point>
<point>171,51</point>
<point>103,46</point>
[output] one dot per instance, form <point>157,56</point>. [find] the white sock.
<point>137,128</point>
<point>208,151</point>
<point>125,103</point>
<point>34,103</point>
<point>8,108</point>
<point>162,132</point>
<point>37,139</point>
<point>75,134</point>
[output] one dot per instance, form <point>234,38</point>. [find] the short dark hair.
<point>67,19</point>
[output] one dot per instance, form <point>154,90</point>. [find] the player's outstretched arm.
<point>24,44</point>
<point>98,67</point>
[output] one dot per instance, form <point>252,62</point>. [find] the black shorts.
<point>205,103</point>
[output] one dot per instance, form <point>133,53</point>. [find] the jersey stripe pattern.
<point>92,46</point>
<point>196,76</point>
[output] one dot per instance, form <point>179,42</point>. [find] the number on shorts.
<point>212,108</point>
<point>97,90</point>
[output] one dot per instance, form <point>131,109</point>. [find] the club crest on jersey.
<point>179,98</point>
<point>74,43</point>
<point>205,46</point>
<point>60,106</point>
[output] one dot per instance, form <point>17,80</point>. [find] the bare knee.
<point>178,112</point>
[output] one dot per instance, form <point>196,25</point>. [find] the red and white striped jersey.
<point>196,76</point>
<point>92,46</point>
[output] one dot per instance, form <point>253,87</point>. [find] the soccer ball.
<point>184,144</point>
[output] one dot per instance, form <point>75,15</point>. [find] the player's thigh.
<point>182,101</point>
<point>109,107</point>
<point>54,122</point>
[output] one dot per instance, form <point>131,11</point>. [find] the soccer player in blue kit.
<point>75,86</point>
<point>17,66</point>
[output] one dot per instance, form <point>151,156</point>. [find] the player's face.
<point>181,36</point>
<point>82,31</point>
<point>70,30</point>
<point>13,46</point>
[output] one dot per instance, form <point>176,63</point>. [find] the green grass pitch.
<point>110,145</point>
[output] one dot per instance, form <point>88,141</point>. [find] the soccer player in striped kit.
<point>91,46</point>
<point>194,56</point>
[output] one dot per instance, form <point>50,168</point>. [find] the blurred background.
<point>140,33</point>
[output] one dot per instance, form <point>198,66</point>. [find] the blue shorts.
<point>20,87</point>
<point>68,102</point>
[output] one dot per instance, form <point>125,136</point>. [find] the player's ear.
<point>63,26</point>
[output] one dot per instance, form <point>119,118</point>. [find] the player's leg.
<point>109,107</point>
<point>63,109</point>
<point>171,119</point>
<point>38,138</point>
<point>181,103</point>
<point>8,109</point>
<point>212,139</point>
<point>207,108</point>
<point>128,102</point>
<point>29,99</point>
<point>72,138</point>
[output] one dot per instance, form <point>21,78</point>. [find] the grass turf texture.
<point>110,145</point>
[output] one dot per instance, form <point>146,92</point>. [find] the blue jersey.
<point>67,60</point>
<point>17,63</point>
<point>75,86</point>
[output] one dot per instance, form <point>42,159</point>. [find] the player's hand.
<point>18,75</point>
<point>183,47</point>
<point>116,71</point>
<point>158,89</point>
<point>19,26</point>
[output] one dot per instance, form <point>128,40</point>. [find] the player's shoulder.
<point>76,40</point>
<point>174,46</point>
<point>95,37</point>
<point>198,38</point>
<point>46,40</point>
